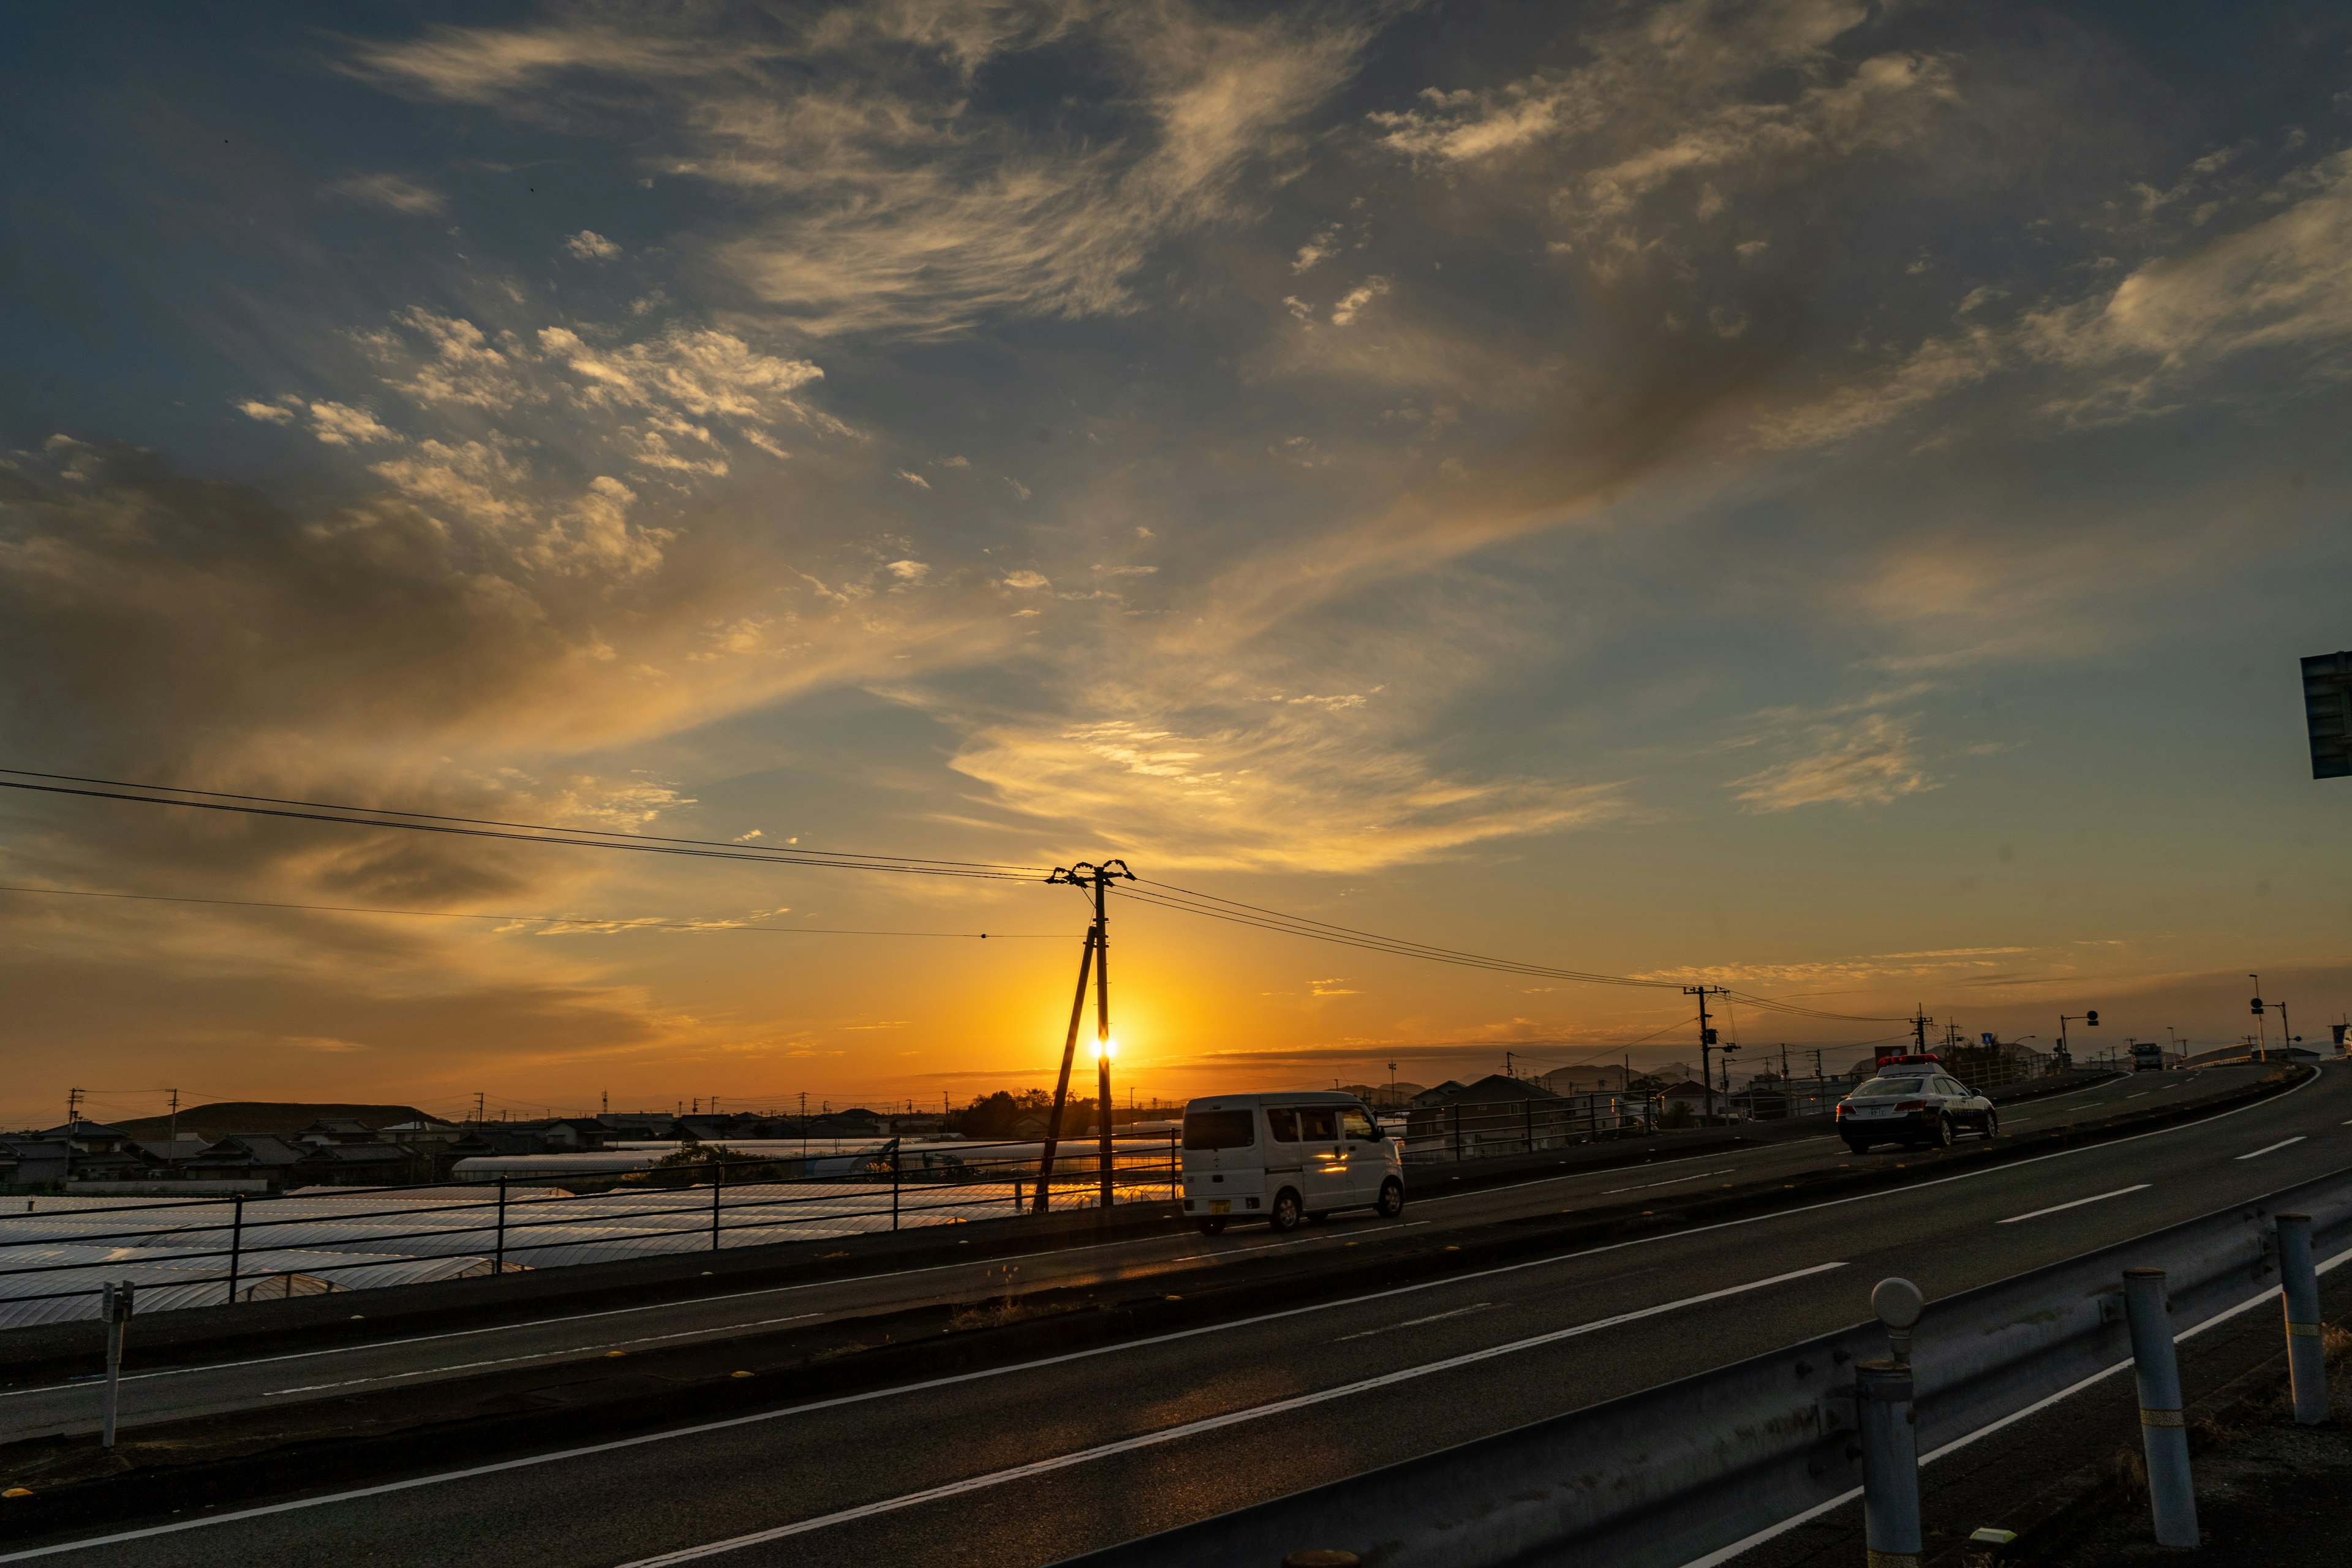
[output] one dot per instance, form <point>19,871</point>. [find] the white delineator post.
<point>116,1307</point>
<point>2306,1353</point>
<point>2164,1432</point>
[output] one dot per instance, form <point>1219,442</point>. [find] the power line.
<point>1163,895</point>
<point>1210,906</point>
<point>623,922</point>
<point>518,832</point>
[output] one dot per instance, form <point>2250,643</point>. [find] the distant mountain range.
<point>228,1117</point>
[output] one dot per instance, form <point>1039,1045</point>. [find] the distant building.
<point>354,1165</point>
<point>1440,1094</point>
<point>1689,1094</point>
<point>98,1153</point>
<point>247,1157</point>
<point>420,1132</point>
<point>1495,1114</point>
<point>35,1163</point>
<point>336,1130</point>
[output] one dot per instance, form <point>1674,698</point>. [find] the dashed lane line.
<point>2078,1203</point>
<point>1194,1428</point>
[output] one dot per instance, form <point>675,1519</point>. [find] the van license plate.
<point>1221,1205</point>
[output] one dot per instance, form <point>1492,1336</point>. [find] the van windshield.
<point>1218,1130</point>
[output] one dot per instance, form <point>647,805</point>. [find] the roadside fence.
<point>59,1257</point>
<point>1459,1130</point>
<point>1698,1470</point>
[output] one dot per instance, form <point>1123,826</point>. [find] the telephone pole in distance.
<point>1706,1041</point>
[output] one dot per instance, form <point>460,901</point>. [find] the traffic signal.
<point>1706,1037</point>
<point>2092,1016</point>
<point>2258,1006</point>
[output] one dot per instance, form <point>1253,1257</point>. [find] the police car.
<point>1915,1102</point>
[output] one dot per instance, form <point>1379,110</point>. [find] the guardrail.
<point>1480,1131</point>
<point>1712,1462</point>
<point>55,1261</point>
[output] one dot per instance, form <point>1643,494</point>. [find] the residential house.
<point>340,1164</point>
<point>1690,1094</point>
<point>336,1130</point>
<point>247,1157</point>
<point>99,1152</point>
<point>35,1163</point>
<point>1495,1115</point>
<point>424,1129</point>
<point>166,1156</point>
<point>1441,1095</point>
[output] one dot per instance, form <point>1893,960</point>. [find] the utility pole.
<point>477,1108</point>
<point>73,1111</point>
<point>1919,1022</point>
<point>1705,1042</point>
<point>174,1133</point>
<point>2262,1040</point>
<point>1095,956</point>
<point>1393,1092</point>
<point>1506,1066</point>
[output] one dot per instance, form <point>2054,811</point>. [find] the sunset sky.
<point>1820,497</point>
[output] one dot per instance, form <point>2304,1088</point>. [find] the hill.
<point>214,1123</point>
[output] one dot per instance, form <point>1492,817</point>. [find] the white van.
<point>1283,1157</point>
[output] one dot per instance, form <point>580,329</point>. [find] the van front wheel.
<point>1392,1198</point>
<point>1285,1211</point>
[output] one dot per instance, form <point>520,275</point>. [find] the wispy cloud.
<point>394,193</point>
<point>1874,760</point>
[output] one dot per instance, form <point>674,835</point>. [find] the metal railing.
<point>55,1262</point>
<point>1460,1130</point>
<point>1717,1460</point>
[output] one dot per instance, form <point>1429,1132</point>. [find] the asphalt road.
<point>247,1382</point>
<point>1027,1464</point>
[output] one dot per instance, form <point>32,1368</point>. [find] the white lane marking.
<point>617,1445</point>
<point>1193,1428</point>
<point>731,1422</point>
<point>2268,1148</point>
<point>2078,1203</point>
<point>1694,1176</point>
<point>1723,1554</point>
<point>1277,1246</point>
<point>1415,1323</point>
<point>1623,1170</point>
<point>607,1346</point>
<point>2142,1093</point>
